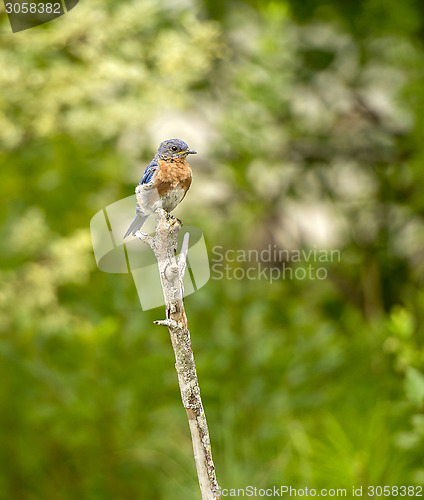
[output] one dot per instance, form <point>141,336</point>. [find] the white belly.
<point>171,200</point>
<point>148,199</point>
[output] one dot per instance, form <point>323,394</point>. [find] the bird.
<point>165,182</point>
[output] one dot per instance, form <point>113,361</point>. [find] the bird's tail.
<point>136,224</point>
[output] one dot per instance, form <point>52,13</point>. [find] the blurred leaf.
<point>414,386</point>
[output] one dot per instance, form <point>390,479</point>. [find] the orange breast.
<point>171,175</point>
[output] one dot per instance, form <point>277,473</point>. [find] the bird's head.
<point>174,148</point>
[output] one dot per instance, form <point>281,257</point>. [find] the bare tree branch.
<point>171,270</point>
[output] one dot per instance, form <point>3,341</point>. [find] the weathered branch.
<point>171,270</point>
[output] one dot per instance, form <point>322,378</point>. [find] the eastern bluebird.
<point>165,182</point>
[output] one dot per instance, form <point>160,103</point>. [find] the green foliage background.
<point>308,118</point>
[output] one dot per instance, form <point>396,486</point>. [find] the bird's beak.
<point>191,152</point>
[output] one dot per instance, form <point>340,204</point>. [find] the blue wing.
<point>140,218</point>
<point>149,172</point>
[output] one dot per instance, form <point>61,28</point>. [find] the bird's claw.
<point>171,217</point>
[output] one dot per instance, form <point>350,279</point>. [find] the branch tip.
<point>166,322</point>
<point>145,238</point>
<point>182,258</point>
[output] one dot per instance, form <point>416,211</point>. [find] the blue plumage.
<point>149,172</point>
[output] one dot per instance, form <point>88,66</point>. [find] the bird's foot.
<point>170,217</point>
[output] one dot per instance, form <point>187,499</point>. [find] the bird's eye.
<point>174,148</point>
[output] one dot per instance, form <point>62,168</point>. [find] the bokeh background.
<point>308,119</point>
